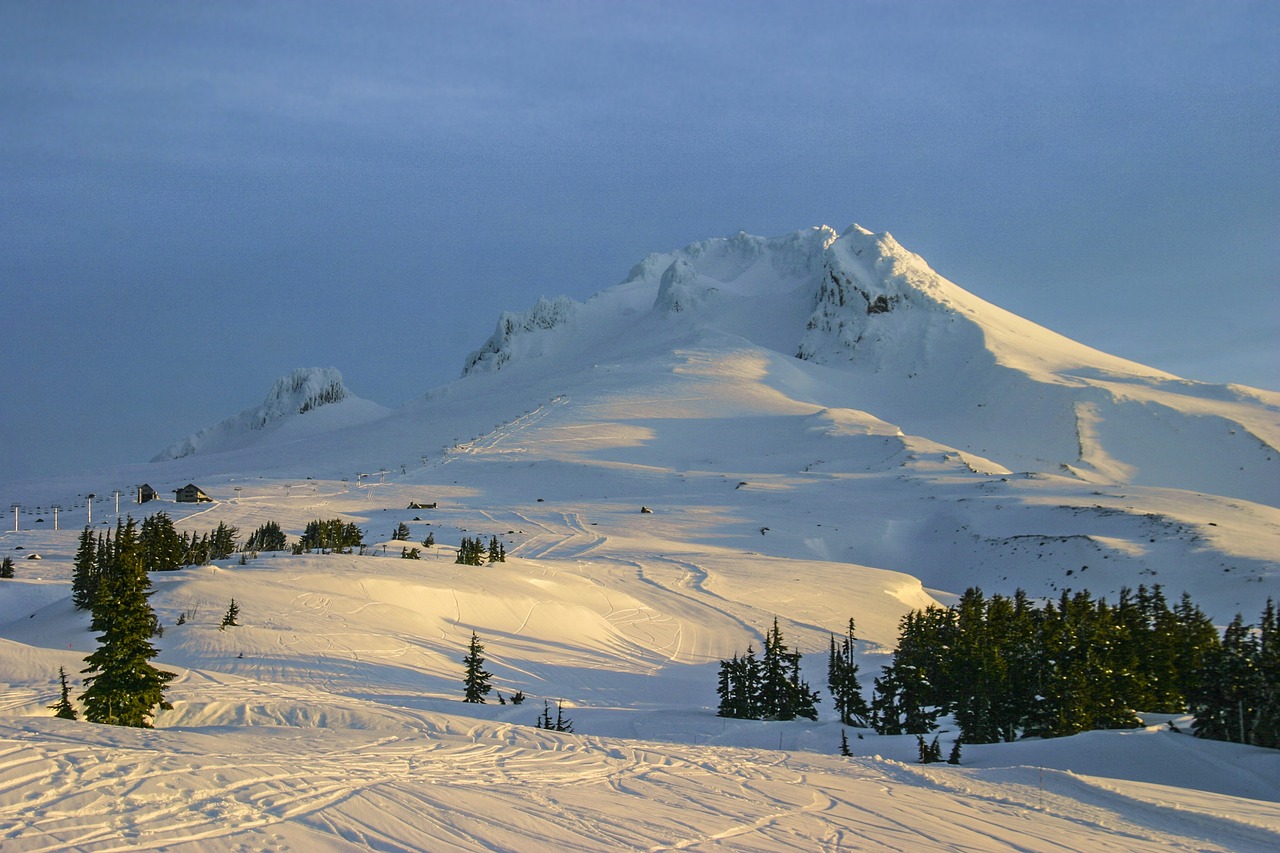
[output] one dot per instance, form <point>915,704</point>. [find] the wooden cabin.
<point>191,494</point>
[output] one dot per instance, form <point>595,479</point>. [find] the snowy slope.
<point>916,350</point>
<point>916,448</point>
<point>316,392</point>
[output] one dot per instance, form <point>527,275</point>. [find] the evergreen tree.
<point>783,695</point>
<point>222,543</point>
<point>475,679</point>
<point>739,687</point>
<point>268,537</point>
<point>842,681</point>
<point>162,548</point>
<point>84,578</point>
<point>844,743</point>
<point>471,552</point>
<point>6,568</point>
<point>1238,693</point>
<point>954,757</point>
<point>63,708</point>
<point>332,535</point>
<point>563,723</point>
<point>401,533</point>
<point>229,618</point>
<point>122,687</point>
<point>430,540</point>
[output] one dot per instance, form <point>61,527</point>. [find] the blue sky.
<point>196,198</point>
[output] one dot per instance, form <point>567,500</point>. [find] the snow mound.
<point>305,391</point>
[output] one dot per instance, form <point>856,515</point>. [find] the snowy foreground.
<point>331,718</point>
<point>925,443</point>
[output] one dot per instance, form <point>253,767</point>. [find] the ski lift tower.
<point>55,509</point>
<point>16,507</point>
<point>117,495</point>
<point>89,505</point>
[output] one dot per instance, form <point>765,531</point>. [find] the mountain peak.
<point>300,392</point>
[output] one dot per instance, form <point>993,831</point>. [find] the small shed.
<point>146,493</point>
<point>191,494</point>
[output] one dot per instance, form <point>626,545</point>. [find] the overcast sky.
<point>196,198</point>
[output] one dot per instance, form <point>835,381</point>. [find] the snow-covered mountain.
<point>819,427</point>
<point>919,352</point>
<point>315,392</point>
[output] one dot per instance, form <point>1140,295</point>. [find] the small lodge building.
<point>191,494</point>
<point>146,493</point>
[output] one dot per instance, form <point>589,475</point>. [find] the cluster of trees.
<point>1237,694</point>
<point>1005,668</point>
<point>164,549</point>
<point>560,724</point>
<point>768,687</point>
<point>472,552</point>
<point>333,535</point>
<point>160,548</point>
<point>268,537</point>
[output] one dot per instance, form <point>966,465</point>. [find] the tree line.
<point>1004,668</point>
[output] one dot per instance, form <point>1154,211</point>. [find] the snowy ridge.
<point>517,334</point>
<point>920,352</point>
<point>302,391</point>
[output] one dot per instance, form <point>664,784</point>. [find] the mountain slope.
<point>316,392</point>
<point>917,351</point>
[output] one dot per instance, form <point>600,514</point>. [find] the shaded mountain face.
<point>300,392</point>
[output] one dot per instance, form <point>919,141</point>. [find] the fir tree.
<point>430,540</point>
<point>563,723</point>
<point>122,687</point>
<point>842,681</point>
<point>84,578</point>
<point>63,707</point>
<point>222,542</point>
<point>229,618</point>
<point>6,568</point>
<point>475,679</point>
<point>954,757</point>
<point>161,545</point>
<point>401,533</point>
<point>268,537</point>
<point>844,743</point>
